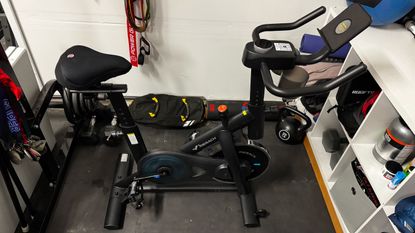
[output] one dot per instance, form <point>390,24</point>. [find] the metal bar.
<point>12,192</point>
<point>104,88</point>
<point>128,126</point>
<point>256,106</point>
<point>43,100</point>
<point>19,186</point>
<point>247,197</point>
<point>190,188</point>
<point>59,181</point>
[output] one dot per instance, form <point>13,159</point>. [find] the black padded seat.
<point>80,67</point>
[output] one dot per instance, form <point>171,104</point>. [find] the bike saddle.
<point>81,67</point>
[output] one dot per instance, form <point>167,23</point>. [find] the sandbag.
<point>169,110</point>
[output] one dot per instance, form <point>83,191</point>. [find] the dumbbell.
<point>332,141</point>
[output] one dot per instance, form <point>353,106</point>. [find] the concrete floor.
<point>289,191</point>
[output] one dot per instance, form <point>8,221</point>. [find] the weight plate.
<point>67,105</point>
<point>257,159</point>
<point>82,103</point>
<point>91,103</point>
<point>178,169</point>
<point>75,105</point>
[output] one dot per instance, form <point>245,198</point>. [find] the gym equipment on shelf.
<point>332,141</point>
<point>385,11</point>
<point>289,129</point>
<point>236,164</point>
<point>397,143</point>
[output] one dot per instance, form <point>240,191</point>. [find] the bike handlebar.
<point>301,59</point>
<point>287,26</point>
<point>310,90</point>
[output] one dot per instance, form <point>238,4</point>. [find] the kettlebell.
<point>289,129</point>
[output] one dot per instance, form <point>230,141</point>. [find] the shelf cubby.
<point>327,121</point>
<point>376,223</point>
<point>376,122</point>
<point>345,160</point>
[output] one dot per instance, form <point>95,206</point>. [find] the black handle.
<point>310,90</point>
<point>314,57</point>
<point>300,114</point>
<point>287,26</point>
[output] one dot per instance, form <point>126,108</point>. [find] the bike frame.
<point>221,133</point>
<point>206,139</point>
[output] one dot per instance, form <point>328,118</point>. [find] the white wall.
<point>197,44</point>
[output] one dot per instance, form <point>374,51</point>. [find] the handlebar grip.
<point>287,26</point>
<point>311,90</point>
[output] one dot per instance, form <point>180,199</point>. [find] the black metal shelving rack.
<point>53,163</point>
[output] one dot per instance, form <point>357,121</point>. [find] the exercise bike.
<point>82,70</point>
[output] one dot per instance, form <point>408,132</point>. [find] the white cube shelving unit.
<point>389,53</point>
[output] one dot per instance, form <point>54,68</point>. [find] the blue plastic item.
<point>312,44</point>
<point>388,11</point>
<point>404,216</point>
<point>397,179</point>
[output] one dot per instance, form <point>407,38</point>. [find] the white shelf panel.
<point>323,161</point>
<point>376,122</point>
<point>377,222</point>
<point>390,210</point>
<point>342,224</point>
<point>389,53</point>
<point>373,171</point>
<point>347,157</point>
<point>322,157</point>
<point>333,102</point>
<point>326,121</point>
